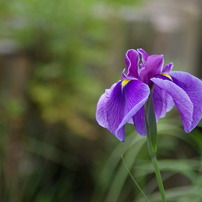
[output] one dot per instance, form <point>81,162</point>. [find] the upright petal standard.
<point>145,75</point>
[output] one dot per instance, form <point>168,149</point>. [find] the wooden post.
<point>15,68</point>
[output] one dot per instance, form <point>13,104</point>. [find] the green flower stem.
<point>152,143</point>
<point>157,171</point>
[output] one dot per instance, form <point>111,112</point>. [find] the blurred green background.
<point>56,59</point>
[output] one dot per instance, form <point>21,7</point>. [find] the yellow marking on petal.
<point>124,82</point>
<point>168,76</point>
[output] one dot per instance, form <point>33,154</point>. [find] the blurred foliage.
<point>66,42</point>
<point>48,131</point>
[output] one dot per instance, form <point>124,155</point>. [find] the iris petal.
<point>180,98</point>
<point>110,110</point>
<point>136,94</point>
<point>193,87</point>
<point>163,102</point>
<point>152,67</point>
<point>143,53</point>
<point>139,122</point>
<point>168,67</point>
<point>132,61</point>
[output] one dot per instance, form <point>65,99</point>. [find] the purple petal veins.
<point>163,102</point>
<point>110,109</point>
<point>180,98</point>
<point>139,122</point>
<point>135,95</point>
<point>193,88</point>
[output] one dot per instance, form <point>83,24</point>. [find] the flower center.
<point>124,82</point>
<point>166,75</point>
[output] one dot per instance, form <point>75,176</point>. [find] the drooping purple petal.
<point>152,67</point>
<point>144,54</point>
<point>101,115</point>
<point>136,94</point>
<point>139,122</point>
<point>110,110</point>
<point>168,68</point>
<point>193,87</point>
<point>180,98</point>
<point>132,61</point>
<point>163,102</point>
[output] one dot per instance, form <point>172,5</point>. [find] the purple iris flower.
<point>144,75</point>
